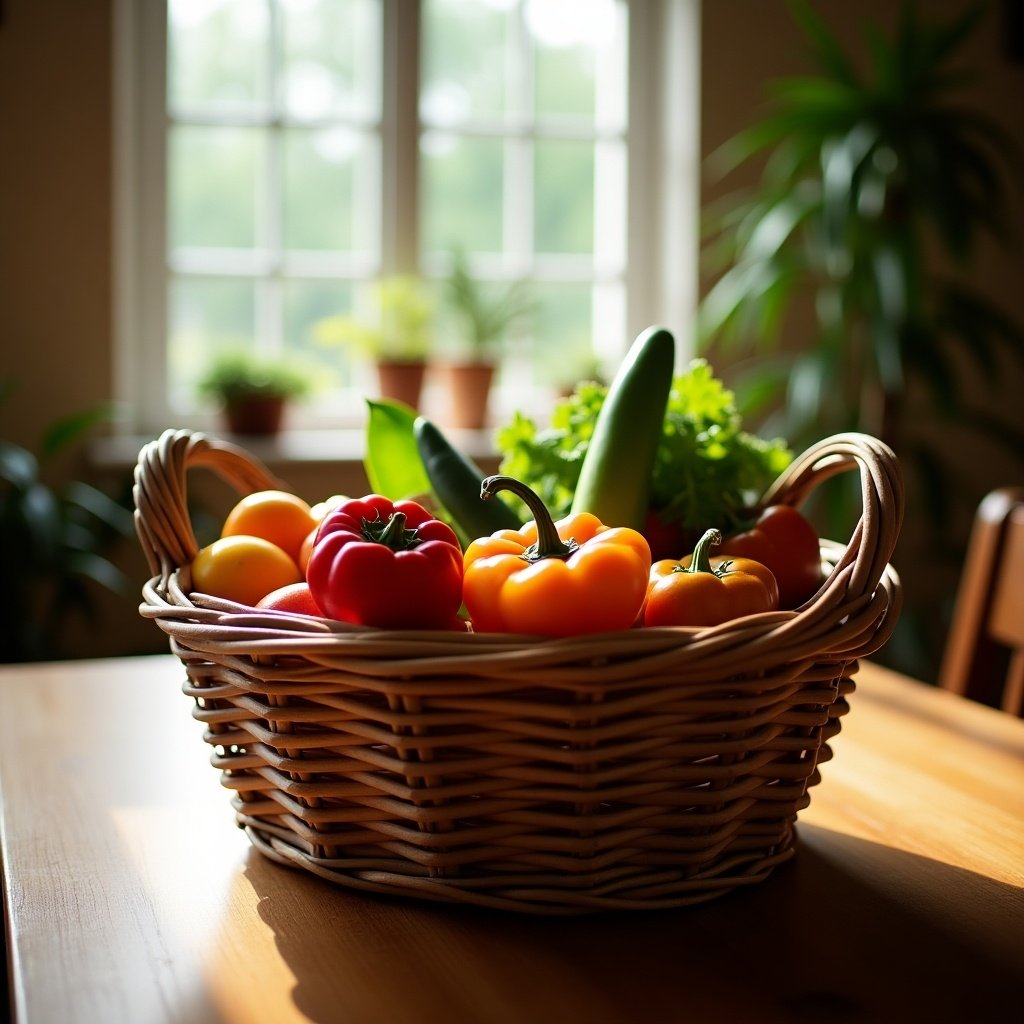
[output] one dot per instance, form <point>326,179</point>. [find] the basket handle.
<point>162,519</point>
<point>874,538</point>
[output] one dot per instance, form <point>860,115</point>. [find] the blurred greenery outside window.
<point>289,187</point>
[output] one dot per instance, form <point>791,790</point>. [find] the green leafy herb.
<point>708,470</point>
<point>550,460</point>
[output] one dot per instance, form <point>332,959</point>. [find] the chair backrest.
<point>989,614</point>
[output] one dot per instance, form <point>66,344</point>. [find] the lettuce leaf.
<point>708,470</point>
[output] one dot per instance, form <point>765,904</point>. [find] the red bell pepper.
<point>388,564</point>
<point>784,540</point>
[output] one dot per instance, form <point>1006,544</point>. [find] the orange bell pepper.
<point>705,591</point>
<point>555,579</point>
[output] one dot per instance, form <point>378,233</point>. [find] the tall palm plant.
<point>875,182</point>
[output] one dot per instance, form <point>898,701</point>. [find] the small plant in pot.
<point>253,390</point>
<point>395,334</point>
<point>481,317</point>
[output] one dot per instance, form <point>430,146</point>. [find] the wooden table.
<point>131,897</point>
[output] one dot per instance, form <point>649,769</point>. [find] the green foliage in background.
<point>863,173</point>
<point>238,372</point>
<point>400,325</point>
<point>878,183</point>
<point>52,543</point>
<point>484,315</point>
<point>708,470</point>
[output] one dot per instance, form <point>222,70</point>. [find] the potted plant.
<point>253,389</point>
<point>481,318</point>
<point>54,544</point>
<point>876,181</point>
<point>395,335</point>
<point>580,367</point>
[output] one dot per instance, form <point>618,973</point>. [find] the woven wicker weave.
<point>641,769</point>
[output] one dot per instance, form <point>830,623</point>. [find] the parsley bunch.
<point>707,472</point>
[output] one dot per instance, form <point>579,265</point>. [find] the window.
<point>276,157</point>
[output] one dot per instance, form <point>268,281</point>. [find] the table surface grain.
<point>131,897</point>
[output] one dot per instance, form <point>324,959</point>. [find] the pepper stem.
<point>701,560</point>
<point>391,533</point>
<point>549,544</point>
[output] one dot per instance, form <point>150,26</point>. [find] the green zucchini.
<point>455,479</point>
<point>615,478</point>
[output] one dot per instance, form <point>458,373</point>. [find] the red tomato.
<point>293,598</point>
<point>785,541</point>
<point>667,540</point>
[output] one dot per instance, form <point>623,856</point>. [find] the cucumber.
<point>455,479</point>
<point>615,478</point>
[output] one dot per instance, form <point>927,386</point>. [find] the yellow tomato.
<point>320,512</point>
<point>321,508</point>
<point>243,569</point>
<point>278,516</point>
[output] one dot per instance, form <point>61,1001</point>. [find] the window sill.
<point>289,448</point>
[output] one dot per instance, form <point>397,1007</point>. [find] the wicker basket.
<point>649,768</point>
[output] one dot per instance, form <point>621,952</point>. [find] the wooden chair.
<point>988,622</point>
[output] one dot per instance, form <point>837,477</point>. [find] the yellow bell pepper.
<point>555,579</point>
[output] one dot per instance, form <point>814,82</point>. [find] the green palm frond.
<point>873,177</point>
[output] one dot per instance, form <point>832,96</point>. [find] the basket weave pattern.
<point>640,769</point>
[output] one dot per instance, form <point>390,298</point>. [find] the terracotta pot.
<point>255,414</point>
<point>401,380</point>
<point>468,388</point>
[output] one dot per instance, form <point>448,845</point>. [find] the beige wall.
<point>55,209</point>
<point>55,199</point>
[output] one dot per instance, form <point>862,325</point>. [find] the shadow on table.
<point>847,931</point>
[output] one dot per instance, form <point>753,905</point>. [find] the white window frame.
<point>663,174</point>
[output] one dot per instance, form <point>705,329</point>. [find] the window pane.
<point>564,81</point>
<point>216,186</point>
<point>562,343</point>
<point>306,304</point>
<point>327,177</point>
<point>610,175</point>
<point>462,193</point>
<point>218,53</point>
<point>564,197</point>
<point>579,49</point>
<point>206,314</point>
<point>331,58</point>
<point>276,170</point>
<point>465,60</point>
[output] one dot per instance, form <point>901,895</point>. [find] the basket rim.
<point>861,592</point>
